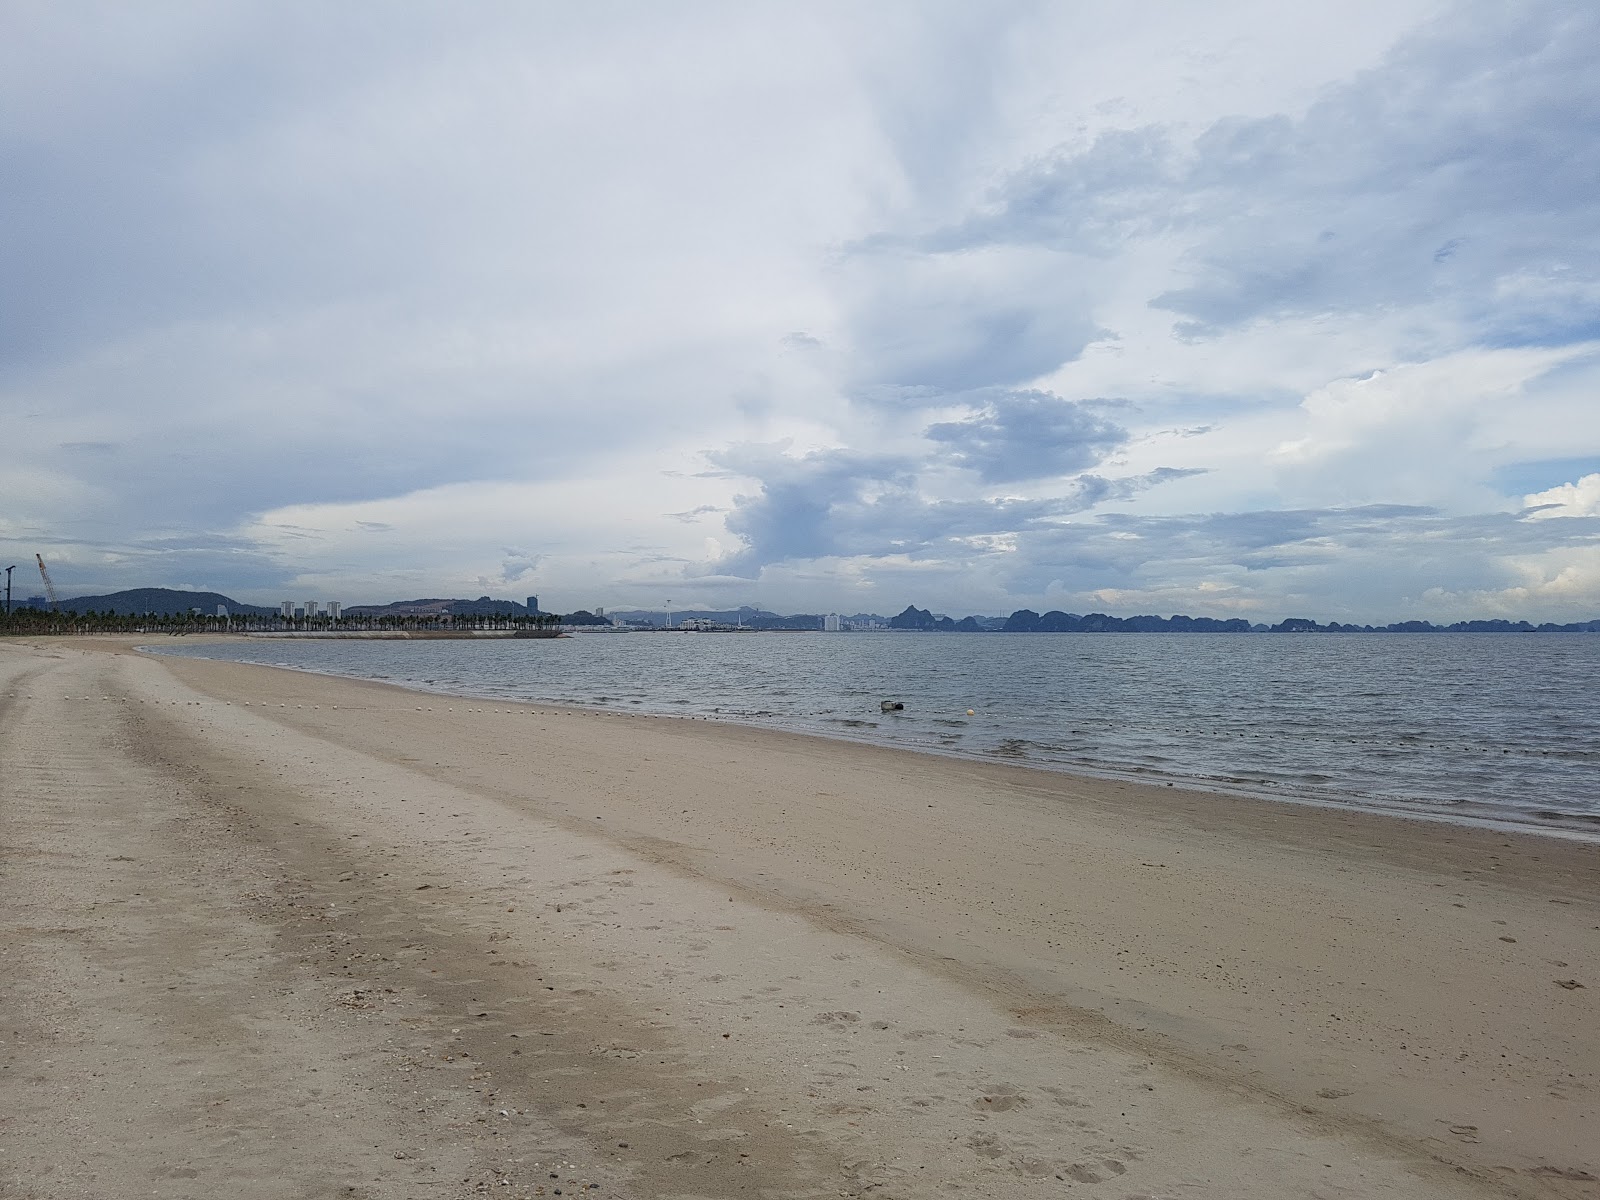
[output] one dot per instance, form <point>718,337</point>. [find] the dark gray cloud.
<point>1030,435</point>
<point>793,515</point>
<point>841,503</point>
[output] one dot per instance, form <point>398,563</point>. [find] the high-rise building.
<point>334,609</point>
<point>533,604</point>
<point>311,608</point>
<point>222,611</point>
<point>286,609</point>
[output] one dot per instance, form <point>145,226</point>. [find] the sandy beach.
<point>271,934</point>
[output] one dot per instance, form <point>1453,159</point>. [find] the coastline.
<point>1554,823</point>
<point>1225,994</point>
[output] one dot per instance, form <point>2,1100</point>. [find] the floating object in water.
<point>970,713</point>
<point>890,706</point>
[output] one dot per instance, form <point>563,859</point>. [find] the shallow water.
<point>1500,726</point>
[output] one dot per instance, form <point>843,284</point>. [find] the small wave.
<point>1550,814</point>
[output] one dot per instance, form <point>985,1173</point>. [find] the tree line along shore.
<point>177,616</point>
<point>36,621</point>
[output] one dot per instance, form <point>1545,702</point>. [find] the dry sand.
<point>268,934</point>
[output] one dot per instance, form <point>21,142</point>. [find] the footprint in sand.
<point>1001,1097</point>
<point>1062,1098</point>
<point>837,1019</point>
<point>1095,1173</point>
<point>986,1145</point>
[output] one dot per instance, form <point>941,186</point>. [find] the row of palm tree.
<point>50,621</point>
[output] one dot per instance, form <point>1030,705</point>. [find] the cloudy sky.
<point>1242,308</point>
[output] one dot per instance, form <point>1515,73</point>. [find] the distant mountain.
<point>921,618</point>
<point>724,616</point>
<point>481,607</point>
<point>1493,625</point>
<point>135,602</point>
<point>1025,620</point>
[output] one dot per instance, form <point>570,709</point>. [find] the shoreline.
<point>867,969</point>
<point>1580,828</point>
<point>402,635</point>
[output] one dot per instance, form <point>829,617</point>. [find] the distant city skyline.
<point>1235,310</point>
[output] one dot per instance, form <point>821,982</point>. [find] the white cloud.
<point>307,298</point>
<point>1578,499</point>
<point>477,537</point>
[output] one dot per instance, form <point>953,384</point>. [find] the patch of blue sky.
<point>1525,478</point>
<point>1543,331</point>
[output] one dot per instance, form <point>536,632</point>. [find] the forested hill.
<point>135,602</point>
<point>1025,620</point>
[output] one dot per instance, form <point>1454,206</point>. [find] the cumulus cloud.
<point>1577,499</point>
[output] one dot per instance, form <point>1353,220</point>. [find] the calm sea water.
<point>1497,726</point>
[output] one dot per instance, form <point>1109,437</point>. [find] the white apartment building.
<point>830,623</point>
<point>286,609</point>
<point>334,609</point>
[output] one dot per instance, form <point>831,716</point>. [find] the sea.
<point>1497,728</point>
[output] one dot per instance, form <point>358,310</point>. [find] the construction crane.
<point>49,588</point>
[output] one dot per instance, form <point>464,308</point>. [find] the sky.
<point>1237,309</point>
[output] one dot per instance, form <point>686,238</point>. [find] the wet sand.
<point>293,936</point>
